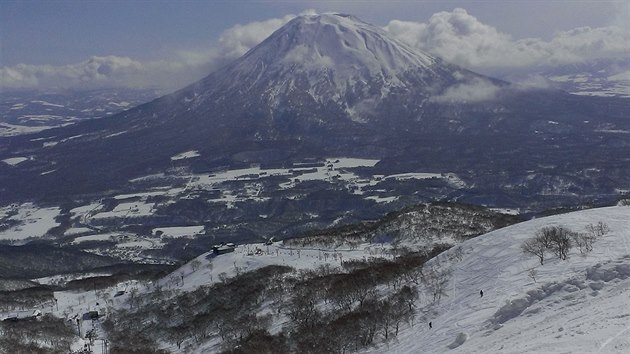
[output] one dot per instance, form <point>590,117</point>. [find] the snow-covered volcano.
<point>330,62</point>
<point>332,85</point>
<point>332,51</point>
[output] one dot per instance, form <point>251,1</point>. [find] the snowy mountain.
<point>333,62</point>
<point>260,298</point>
<point>328,86</point>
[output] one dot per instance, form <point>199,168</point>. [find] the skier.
<point>430,325</point>
<point>480,293</point>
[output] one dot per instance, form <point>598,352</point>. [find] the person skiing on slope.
<point>480,293</point>
<point>430,325</point>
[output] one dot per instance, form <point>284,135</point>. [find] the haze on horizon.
<point>83,45</point>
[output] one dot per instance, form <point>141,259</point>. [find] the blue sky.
<point>61,33</point>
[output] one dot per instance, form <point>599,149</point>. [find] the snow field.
<point>186,155</point>
<point>34,221</point>
<point>333,170</point>
<point>133,209</point>
<point>14,161</point>
<point>560,312</point>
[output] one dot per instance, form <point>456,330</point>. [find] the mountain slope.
<point>578,305</point>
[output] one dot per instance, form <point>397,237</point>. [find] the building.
<point>223,248</point>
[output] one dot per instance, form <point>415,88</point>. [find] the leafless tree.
<point>302,308</point>
<point>532,273</point>
<point>173,280</point>
<point>561,241</point>
<point>178,335</point>
<point>555,238</point>
<point>598,230</point>
<point>584,242</point>
<point>436,279</point>
<point>133,297</point>
<point>195,265</point>
<point>535,246</point>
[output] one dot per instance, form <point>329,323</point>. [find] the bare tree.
<point>545,236</point>
<point>133,297</point>
<point>561,242</point>
<point>557,239</point>
<point>584,242</point>
<point>598,230</point>
<point>178,335</point>
<point>173,280</point>
<point>436,279</point>
<point>302,308</point>
<point>403,303</point>
<point>195,265</point>
<point>535,246</point>
<point>532,273</point>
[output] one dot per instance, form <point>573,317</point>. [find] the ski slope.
<point>580,305</point>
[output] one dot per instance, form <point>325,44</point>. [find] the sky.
<point>167,43</point>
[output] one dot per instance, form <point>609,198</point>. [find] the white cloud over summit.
<point>456,36</point>
<point>238,39</point>
<point>462,39</point>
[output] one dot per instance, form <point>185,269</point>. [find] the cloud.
<point>237,40</point>
<point>456,36</point>
<point>303,55</point>
<point>180,69</point>
<point>532,81</point>
<point>475,90</point>
<point>111,71</point>
<point>462,39</point>
<point>94,70</point>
